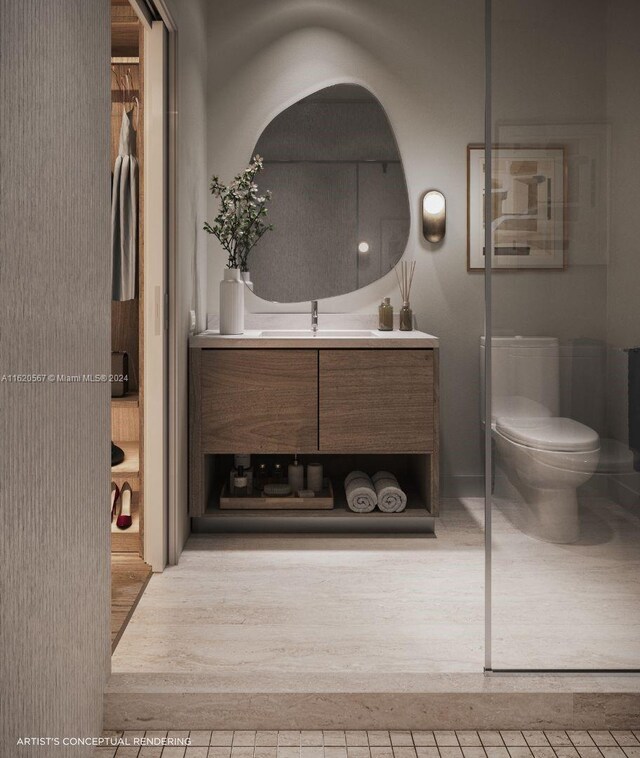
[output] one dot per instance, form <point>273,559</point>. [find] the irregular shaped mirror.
<point>339,207</point>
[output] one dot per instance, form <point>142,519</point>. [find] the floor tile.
<point>490,739</point>
<point>564,751</point>
<point>335,751</point>
<point>469,739</point>
<point>356,751</point>
<point>428,751</point>
<point>334,738</point>
<point>445,739</point>
<point>220,739</point>
<point>266,738</point>
<point>131,735</point>
<point>449,751</point>
<point>197,751</point>
<point>612,752</point>
<point>423,738</point>
<point>625,738</point>
<point>514,739</point>
<point>603,738</point>
<point>404,751</point>
<point>312,751</point>
<point>289,739</point>
<point>535,738</point>
<point>580,738</point>
<point>244,739</point>
<point>286,751</point>
<point>632,751</point>
<point>401,739</point>
<point>220,751</point>
<point>312,738</point>
<point>496,751</point>
<point>242,751</point>
<point>127,752</point>
<point>589,751</point>
<point>104,752</point>
<point>387,752</point>
<point>265,751</point>
<point>173,752</point>
<point>150,751</point>
<point>543,751</point>
<point>156,734</point>
<point>357,739</point>
<point>518,751</point>
<point>178,734</point>
<point>378,739</point>
<point>473,751</point>
<point>199,738</point>
<point>557,738</point>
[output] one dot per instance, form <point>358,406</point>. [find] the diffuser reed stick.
<point>405,280</point>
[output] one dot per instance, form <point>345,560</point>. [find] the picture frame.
<point>529,207</point>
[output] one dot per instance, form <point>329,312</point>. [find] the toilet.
<point>544,456</point>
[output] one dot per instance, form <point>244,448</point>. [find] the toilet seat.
<point>550,433</point>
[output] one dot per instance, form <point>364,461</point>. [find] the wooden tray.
<point>321,502</point>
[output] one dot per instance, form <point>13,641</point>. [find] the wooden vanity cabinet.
<point>376,401</point>
<point>258,401</point>
<point>373,403</point>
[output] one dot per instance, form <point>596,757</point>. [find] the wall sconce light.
<point>434,216</point>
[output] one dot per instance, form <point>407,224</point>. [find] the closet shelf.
<point>132,399</point>
<point>131,463</point>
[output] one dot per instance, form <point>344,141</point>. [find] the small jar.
<point>385,315</point>
<point>240,483</point>
<point>406,317</point>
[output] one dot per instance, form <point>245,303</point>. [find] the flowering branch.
<point>241,219</point>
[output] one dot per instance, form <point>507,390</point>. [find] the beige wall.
<point>190,264</point>
<point>54,319</point>
<point>426,66</point>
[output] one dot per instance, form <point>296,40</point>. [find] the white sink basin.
<point>306,333</point>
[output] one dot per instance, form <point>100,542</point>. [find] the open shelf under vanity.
<point>411,470</point>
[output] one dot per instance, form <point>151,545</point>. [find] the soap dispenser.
<point>385,315</point>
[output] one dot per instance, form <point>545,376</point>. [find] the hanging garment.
<point>124,214</point>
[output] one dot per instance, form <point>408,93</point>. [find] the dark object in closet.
<point>119,374</point>
<point>117,454</point>
<point>634,405</point>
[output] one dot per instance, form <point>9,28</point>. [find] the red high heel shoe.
<point>124,519</point>
<point>115,494</point>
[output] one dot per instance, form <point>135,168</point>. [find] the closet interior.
<point>129,571</point>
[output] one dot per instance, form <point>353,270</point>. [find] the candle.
<point>314,477</point>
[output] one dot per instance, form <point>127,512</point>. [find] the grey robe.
<point>124,214</point>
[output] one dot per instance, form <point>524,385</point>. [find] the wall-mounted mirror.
<point>340,207</point>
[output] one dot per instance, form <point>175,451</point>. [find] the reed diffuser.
<point>405,280</point>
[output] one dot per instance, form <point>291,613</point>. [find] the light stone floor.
<point>379,744</point>
<point>378,605</point>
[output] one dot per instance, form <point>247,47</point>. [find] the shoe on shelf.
<point>115,494</point>
<point>124,519</point>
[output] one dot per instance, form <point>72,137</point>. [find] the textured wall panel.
<point>54,319</point>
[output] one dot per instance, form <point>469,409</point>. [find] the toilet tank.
<point>526,376</point>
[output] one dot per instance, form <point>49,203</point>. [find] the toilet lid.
<point>559,434</point>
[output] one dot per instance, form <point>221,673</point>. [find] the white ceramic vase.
<point>232,302</point>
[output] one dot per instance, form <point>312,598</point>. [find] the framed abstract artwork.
<point>528,208</point>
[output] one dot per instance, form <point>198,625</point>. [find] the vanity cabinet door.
<point>376,401</point>
<point>259,401</point>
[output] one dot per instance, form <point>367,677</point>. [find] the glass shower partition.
<point>561,216</point>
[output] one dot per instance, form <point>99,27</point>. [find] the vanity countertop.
<point>331,338</point>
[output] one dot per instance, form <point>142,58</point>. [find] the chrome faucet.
<point>314,316</point>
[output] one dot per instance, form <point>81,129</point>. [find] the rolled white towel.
<point>361,494</point>
<point>391,498</point>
